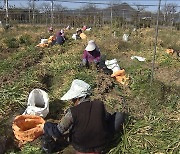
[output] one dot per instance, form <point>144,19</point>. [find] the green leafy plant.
<point>25,39</point>
<point>11,42</point>
<point>28,149</point>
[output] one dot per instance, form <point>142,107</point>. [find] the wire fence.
<point>119,14</point>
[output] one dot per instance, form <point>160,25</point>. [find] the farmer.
<point>90,125</point>
<point>84,28</point>
<point>80,34</point>
<point>91,54</point>
<point>50,30</point>
<point>60,38</point>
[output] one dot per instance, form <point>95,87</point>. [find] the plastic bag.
<point>138,58</point>
<point>27,127</point>
<point>38,103</point>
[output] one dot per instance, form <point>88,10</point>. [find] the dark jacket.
<point>60,39</point>
<point>89,130</point>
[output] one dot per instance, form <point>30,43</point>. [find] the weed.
<point>25,39</point>
<point>166,60</point>
<point>11,42</point>
<point>29,149</point>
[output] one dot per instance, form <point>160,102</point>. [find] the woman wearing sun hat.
<point>60,38</point>
<point>91,54</point>
<point>88,122</point>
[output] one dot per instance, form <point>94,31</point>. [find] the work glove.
<point>84,62</point>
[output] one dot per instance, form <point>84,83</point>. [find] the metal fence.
<point>120,15</point>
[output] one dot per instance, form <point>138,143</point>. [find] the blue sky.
<point>23,3</point>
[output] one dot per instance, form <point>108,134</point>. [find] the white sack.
<point>125,37</point>
<point>113,65</point>
<point>74,36</point>
<point>38,103</point>
<point>44,41</point>
<point>88,29</point>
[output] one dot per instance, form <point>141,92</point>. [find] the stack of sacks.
<point>44,43</point>
<point>118,74</point>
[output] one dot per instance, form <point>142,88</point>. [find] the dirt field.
<point>154,111</point>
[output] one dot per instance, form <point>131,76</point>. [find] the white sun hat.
<point>91,46</point>
<point>78,89</point>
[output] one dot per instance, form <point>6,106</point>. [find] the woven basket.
<point>28,127</point>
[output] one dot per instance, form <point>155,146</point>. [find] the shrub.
<point>25,39</point>
<point>28,149</point>
<point>166,60</point>
<point>11,42</point>
<point>123,46</point>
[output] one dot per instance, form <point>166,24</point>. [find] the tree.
<point>59,8</point>
<point>169,11</point>
<point>32,6</point>
<point>137,16</point>
<point>1,6</point>
<point>89,8</point>
<point>45,8</point>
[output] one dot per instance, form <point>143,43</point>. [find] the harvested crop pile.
<point>104,84</point>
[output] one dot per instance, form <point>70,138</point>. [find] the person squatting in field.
<point>90,126</point>
<point>91,54</point>
<point>60,37</point>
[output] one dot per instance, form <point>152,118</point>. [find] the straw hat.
<point>91,46</point>
<point>78,89</point>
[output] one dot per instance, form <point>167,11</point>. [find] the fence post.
<point>111,16</point>
<point>52,11</point>
<point>155,45</point>
<point>33,13</point>
<point>7,15</point>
